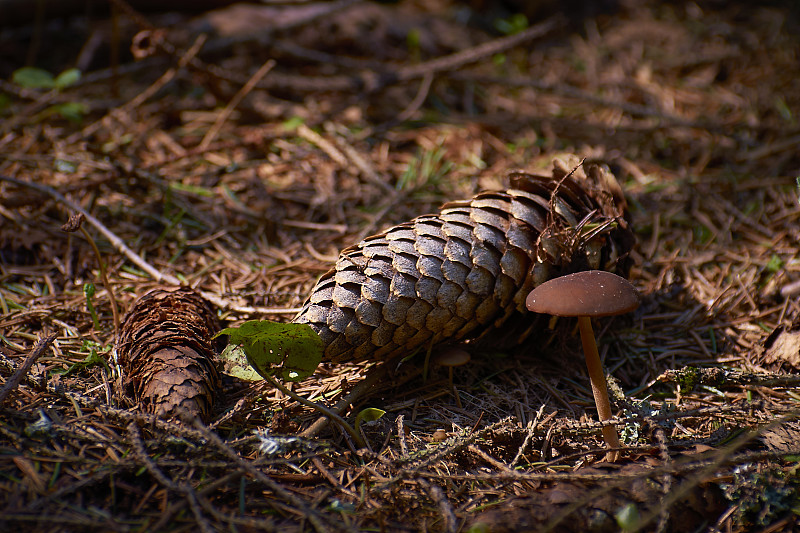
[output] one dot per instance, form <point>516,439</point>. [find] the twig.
<point>125,109</point>
<point>690,376</point>
<point>499,465</point>
<point>319,408</point>
<point>38,348</point>
<point>224,304</point>
<point>529,433</point>
<point>326,146</point>
<point>451,445</point>
<point>401,435</point>
<point>237,98</point>
<point>445,507</point>
<point>137,260</point>
<point>186,489</point>
<point>359,390</point>
<point>666,479</point>
<point>312,514</point>
<point>128,415</point>
<point>386,74</point>
<point>579,94</point>
<point>141,454</point>
<point>482,51</point>
<point>418,100</point>
<point>115,241</point>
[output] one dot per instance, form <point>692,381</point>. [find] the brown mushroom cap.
<point>591,293</point>
<point>452,357</point>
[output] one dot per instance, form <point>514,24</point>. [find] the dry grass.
<point>694,108</point>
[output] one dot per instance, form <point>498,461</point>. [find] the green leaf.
<point>67,167</point>
<point>234,363</point>
<point>370,414</point>
<point>72,111</point>
<point>67,78</point>
<point>294,349</point>
<point>628,517</point>
<point>342,507</point>
<point>774,264</point>
<point>33,78</point>
<point>512,25</point>
<point>293,123</point>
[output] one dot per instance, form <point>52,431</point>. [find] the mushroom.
<point>588,294</point>
<point>450,358</point>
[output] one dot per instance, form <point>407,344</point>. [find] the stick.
<point>477,53</point>
<point>311,514</point>
<point>355,395</point>
<point>237,98</point>
<point>137,260</point>
<point>38,348</point>
<point>115,241</point>
<point>353,432</point>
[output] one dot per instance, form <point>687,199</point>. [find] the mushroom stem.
<point>599,389</point>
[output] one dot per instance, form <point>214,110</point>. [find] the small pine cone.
<point>465,272</point>
<point>166,352</point>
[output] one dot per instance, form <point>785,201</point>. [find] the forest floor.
<point>242,149</point>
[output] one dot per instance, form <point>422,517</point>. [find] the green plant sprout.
<point>88,292</point>
<point>75,223</point>
<point>425,168</point>
<point>36,78</point>
<point>94,358</point>
<point>512,25</point>
<point>797,181</point>
<point>413,40</point>
<point>292,123</point>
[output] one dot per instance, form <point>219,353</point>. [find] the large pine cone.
<point>465,272</point>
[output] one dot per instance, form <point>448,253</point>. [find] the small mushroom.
<point>588,294</point>
<point>451,358</point>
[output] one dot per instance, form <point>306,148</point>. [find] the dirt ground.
<point>237,151</point>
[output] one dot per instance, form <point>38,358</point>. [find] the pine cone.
<point>465,272</point>
<point>166,352</point>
